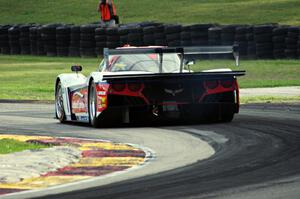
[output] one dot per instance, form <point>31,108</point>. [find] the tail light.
<point>134,87</point>
<point>211,84</point>
<point>227,83</point>
<point>118,87</point>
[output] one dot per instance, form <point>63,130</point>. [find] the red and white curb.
<point>99,158</point>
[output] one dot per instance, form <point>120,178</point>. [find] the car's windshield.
<point>144,62</point>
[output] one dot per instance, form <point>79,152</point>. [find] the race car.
<point>149,84</point>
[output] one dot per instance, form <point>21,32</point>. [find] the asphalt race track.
<point>256,156</point>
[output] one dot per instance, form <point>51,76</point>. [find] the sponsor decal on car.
<point>102,91</point>
<point>83,118</point>
<point>79,101</point>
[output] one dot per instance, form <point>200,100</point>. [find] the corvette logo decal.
<point>174,92</point>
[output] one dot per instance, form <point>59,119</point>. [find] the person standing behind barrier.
<point>108,13</point>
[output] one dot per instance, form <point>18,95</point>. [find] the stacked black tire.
<point>63,40</point>
<point>185,36</point>
<point>40,42</point>
<point>242,40</point>
<point>14,40</point>
<point>25,39</point>
<point>228,37</point>
<point>112,37</point>
<point>33,37</point>
<point>278,40</point>
<point>298,46</point>
<point>173,35</point>
<point>199,34</point>
<point>251,46</point>
<point>4,41</point>
<point>214,36</point>
<point>160,36</point>
<point>263,40</point>
<point>123,33</point>
<point>228,34</point>
<point>74,41</point>
<point>291,41</point>
<point>49,39</point>
<point>87,40</point>
<point>148,35</point>
<point>135,36</point>
<point>101,39</point>
<point>215,39</point>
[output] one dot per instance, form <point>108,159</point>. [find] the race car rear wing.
<point>194,50</point>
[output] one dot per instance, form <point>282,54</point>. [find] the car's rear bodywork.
<point>116,95</point>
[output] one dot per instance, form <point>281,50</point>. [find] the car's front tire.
<point>59,104</point>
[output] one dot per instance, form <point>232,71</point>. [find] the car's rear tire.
<point>227,117</point>
<point>59,105</point>
<point>92,105</point>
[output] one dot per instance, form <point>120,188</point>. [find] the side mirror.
<point>76,68</point>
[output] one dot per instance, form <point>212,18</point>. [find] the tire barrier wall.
<point>270,41</point>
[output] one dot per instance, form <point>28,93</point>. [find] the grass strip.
<point>33,78</point>
<point>259,73</point>
<point>270,99</point>
<point>175,11</point>
<point>11,146</point>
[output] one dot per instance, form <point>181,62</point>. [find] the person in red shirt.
<point>108,13</point>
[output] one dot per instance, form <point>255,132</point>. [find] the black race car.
<point>148,84</point>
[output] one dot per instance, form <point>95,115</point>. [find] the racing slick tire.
<point>220,115</point>
<point>107,118</point>
<point>227,117</point>
<point>59,106</point>
<point>92,104</point>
